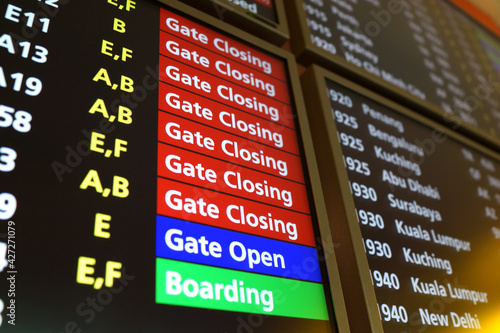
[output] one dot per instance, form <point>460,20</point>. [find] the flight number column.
<point>317,20</point>
<point>20,81</point>
<point>14,120</point>
<point>364,182</point>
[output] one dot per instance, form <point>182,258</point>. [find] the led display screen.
<point>428,51</point>
<point>152,176</point>
<point>423,210</point>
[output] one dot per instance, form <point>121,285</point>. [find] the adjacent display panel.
<point>263,18</point>
<point>420,206</point>
<point>152,175</point>
<point>426,54</point>
<point>484,12</point>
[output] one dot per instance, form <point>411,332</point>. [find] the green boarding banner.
<point>186,284</point>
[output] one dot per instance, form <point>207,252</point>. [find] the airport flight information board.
<point>423,209</point>
<point>151,175</point>
<point>427,50</point>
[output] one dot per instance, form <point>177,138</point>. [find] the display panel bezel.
<point>274,32</point>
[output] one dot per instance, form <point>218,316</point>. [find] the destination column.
<point>232,203</point>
